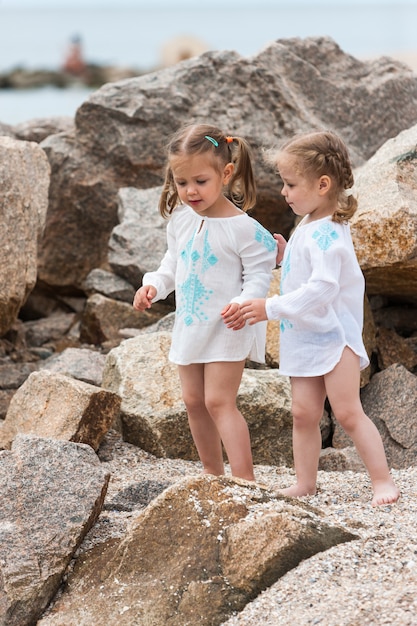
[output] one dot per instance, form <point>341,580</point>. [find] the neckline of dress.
<point>208,217</point>
<point>321,219</point>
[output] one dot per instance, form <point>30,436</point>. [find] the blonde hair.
<point>323,153</point>
<point>222,149</point>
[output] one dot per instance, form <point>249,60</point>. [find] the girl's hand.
<point>281,241</point>
<point>143,298</point>
<point>232,316</point>
<point>253,311</point>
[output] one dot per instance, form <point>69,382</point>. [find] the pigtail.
<point>241,187</point>
<point>169,195</point>
<point>347,206</point>
<point>347,203</point>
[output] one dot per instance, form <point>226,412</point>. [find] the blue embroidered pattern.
<point>286,266</point>
<point>284,324</point>
<point>325,235</point>
<point>264,237</point>
<point>209,259</point>
<point>192,293</point>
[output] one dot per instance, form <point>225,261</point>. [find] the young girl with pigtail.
<point>321,310</point>
<point>217,257</point>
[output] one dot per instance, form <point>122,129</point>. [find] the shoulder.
<point>181,213</point>
<point>254,231</point>
<point>326,235</point>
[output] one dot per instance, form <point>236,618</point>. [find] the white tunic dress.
<point>321,301</point>
<point>211,262</point>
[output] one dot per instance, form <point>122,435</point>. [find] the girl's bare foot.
<point>385,493</point>
<point>296,491</point>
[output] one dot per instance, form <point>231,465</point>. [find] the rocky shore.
<point>93,75</point>
<point>104,515</point>
<point>368,581</point>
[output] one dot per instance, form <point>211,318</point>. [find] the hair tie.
<point>229,139</point>
<point>213,141</point>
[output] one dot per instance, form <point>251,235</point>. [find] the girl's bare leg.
<point>203,430</point>
<point>221,385</point>
<point>308,396</point>
<point>343,391</point>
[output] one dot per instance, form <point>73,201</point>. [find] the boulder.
<point>37,129</point>
<point>80,363</point>
<point>60,407</point>
<point>103,318</point>
<point>138,243</point>
<point>51,493</point>
<point>108,284</point>
<point>25,174</point>
<point>393,349</point>
<point>247,538</point>
<point>384,229</point>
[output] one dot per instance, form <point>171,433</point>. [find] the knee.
<point>348,418</point>
<point>213,405</point>
<point>304,415</point>
<point>348,414</point>
<point>192,401</point>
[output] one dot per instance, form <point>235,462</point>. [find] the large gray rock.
<point>122,130</point>
<point>38,129</point>
<point>60,407</point>
<point>51,493</point>
<point>24,175</point>
<point>218,544</point>
<point>103,318</point>
<point>138,243</point>
<point>384,229</point>
<point>49,329</point>
<point>80,363</point>
<point>108,284</point>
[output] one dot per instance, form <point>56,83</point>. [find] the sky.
<point>153,3</point>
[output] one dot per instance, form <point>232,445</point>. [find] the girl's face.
<point>305,195</point>
<point>200,185</point>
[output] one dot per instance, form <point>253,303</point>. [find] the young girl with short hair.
<point>321,310</point>
<point>217,258</point>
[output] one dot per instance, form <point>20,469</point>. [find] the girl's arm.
<point>162,280</point>
<point>302,303</point>
<point>309,302</point>
<point>258,253</point>
<point>255,310</point>
<point>281,245</point>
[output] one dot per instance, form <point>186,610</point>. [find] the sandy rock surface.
<point>369,581</point>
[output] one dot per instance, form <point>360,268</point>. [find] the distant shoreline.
<point>97,75</point>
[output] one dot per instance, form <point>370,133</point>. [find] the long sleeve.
<point>309,301</point>
<point>163,279</point>
<point>258,250</point>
